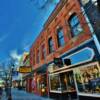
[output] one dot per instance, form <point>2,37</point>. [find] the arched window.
<point>75,25</point>
<point>43,51</point>
<point>51,45</point>
<point>60,37</point>
<point>38,56</point>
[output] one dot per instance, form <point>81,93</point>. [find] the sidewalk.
<point>4,96</point>
<point>22,95</point>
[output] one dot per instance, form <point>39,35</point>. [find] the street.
<point>23,95</point>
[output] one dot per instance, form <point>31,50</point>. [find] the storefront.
<point>40,82</point>
<point>78,82</point>
<point>62,85</point>
<point>88,80</point>
<point>28,82</point>
<point>81,79</point>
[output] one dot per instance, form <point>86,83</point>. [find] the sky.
<point>20,23</point>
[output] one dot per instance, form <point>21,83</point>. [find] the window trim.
<point>43,49</point>
<point>51,46</point>
<point>73,34</point>
<point>59,38</point>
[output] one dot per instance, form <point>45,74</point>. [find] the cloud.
<point>15,56</point>
<point>3,38</point>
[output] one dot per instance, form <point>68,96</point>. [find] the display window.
<point>55,82</point>
<point>62,82</point>
<point>88,78</point>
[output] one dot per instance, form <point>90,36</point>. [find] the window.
<point>62,82</point>
<point>88,79</point>
<point>43,52</point>
<point>55,82</point>
<point>51,46</point>
<point>60,37</point>
<point>75,25</point>
<point>38,54</point>
<point>33,59</point>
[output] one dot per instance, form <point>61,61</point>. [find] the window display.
<point>68,81</point>
<point>62,82</point>
<point>55,82</point>
<point>88,78</point>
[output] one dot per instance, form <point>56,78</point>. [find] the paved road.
<point>22,95</point>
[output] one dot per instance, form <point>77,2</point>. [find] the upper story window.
<point>43,52</point>
<point>33,59</point>
<point>38,55</point>
<point>75,25</point>
<point>60,37</point>
<point>51,45</point>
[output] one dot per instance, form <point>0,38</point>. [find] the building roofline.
<point>50,18</point>
<point>55,12</point>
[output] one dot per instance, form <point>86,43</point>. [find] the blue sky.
<point>20,23</point>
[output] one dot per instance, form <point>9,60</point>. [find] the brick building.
<point>65,35</point>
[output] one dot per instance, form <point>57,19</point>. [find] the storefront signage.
<point>24,69</point>
<point>81,56</point>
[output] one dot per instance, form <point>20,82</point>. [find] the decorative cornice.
<point>55,12</point>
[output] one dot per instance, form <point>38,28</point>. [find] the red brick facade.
<point>59,17</point>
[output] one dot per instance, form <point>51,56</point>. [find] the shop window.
<point>55,82</point>
<point>60,37</point>
<point>63,82</point>
<point>75,25</point>
<point>67,80</point>
<point>88,79</point>
<point>51,46</point>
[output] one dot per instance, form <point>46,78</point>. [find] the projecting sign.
<point>24,69</point>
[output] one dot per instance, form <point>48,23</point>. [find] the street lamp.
<point>11,74</point>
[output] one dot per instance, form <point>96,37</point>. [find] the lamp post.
<point>10,79</point>
<point>11,74</point>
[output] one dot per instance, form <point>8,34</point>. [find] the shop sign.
<point>24,69</point>
<point>81,56</point>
